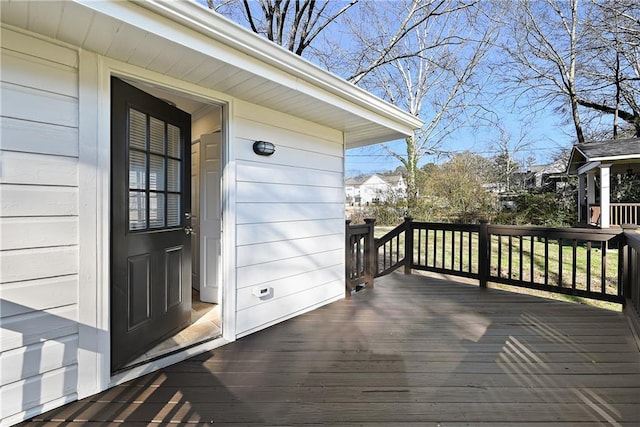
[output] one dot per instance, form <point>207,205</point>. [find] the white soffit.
<point>186,41</point>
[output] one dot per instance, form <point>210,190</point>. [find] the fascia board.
<point>571,161</point>
<point>587,167</point>
<point>247,51</point>
<point>615,158</point>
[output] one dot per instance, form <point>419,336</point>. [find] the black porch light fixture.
<point>263,148</point>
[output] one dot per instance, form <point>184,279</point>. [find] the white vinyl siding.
<point>38,225</point>
<point>289,217</point>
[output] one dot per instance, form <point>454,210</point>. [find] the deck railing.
<point>590,263</point>
<point>359,262</point>
<point>631,270</point>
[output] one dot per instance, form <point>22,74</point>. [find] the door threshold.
<point>179,355</point>
<point>205,326</point>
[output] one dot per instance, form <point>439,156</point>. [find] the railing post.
<point>624,255</point>
<point>483,253</point>
<point>370,264</point>
<point>408,245</point>
<point>348,262</point>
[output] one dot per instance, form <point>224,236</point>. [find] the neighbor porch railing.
<point>590,263</point>
<point>619,214</point>
<point>624,213</point>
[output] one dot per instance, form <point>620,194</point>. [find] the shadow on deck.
<point>414,350</point>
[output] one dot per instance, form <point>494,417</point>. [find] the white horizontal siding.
<point>39,390</point>
<point>38,326</point>
<point>52,170</point>
<point>273,311</point>
<point>286,230</point>
<point>31,201</point>
<point>253,192</point>
<point>38,225</point>
<point>18,102</point>
<point>26,361</point>
<point>251,213</point>
<point>38,232</point>
<point>257,274</point>
<point>289,216</point>
<point>291,285</point>
<point>261,253</point>
<point>40,294</point>
<point>44,138</point>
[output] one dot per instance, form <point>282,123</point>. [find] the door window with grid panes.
<point>155,166</point>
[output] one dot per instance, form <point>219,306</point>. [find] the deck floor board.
<point>413,351</point>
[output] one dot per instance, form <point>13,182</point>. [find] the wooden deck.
<point>413,351</point>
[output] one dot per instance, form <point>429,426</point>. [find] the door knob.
<point>188,230</point>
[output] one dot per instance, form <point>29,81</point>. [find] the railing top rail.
<point>595,234</point>
<point>390,235</point>
<point>445,226</point>
<point>358,228</point>
<point>624,204</point>
<point>633,238</point>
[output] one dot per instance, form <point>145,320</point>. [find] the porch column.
<point>605,178</point>
<point>581,198</point>
<point>591,190</point>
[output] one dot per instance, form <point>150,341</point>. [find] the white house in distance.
<point>170,182</point>
<point>377,187</point>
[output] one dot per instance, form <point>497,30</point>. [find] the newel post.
<point>408,245</point>
<point>370,263</point>
<point>624,255</point>
<point>348,261</point>
<point>483,253</point>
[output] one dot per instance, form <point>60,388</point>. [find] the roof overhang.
<point>581,161</point>
<point>187,41</point>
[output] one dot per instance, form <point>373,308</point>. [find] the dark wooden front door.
<point>150,199</point>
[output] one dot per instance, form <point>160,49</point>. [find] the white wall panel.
<point>38,74</point>
<point>288,193</point>
<point>38,223</point>
<point>35,295</point>
<point>26,362</point>
<point>290,285</point>
<point>19,135</point>
<point>283,250</point>
<point>38,232</point>
<point>30,168</point>
<point>18,102</point>
<point>289,217</point>
<point>38,390</point>
<point>251,213</point>
<point>38,326</point>
<point>29,201</point>
<point>289,156</point>
<point>265,172</point>
<point>30,264</point>
<point>262,273</point>
<point>285,230</point>
<point>38,48</point>
<point>260,316</point>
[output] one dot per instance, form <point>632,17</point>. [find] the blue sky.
<point>547,137</point>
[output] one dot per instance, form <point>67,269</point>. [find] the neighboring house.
<point>550,177</point>
<point>604,159</point>
<point>131,194</point>
<point>363,191</point>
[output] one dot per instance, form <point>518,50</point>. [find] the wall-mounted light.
<point>263,148</point>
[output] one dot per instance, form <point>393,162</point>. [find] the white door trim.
<point>94,132</point>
